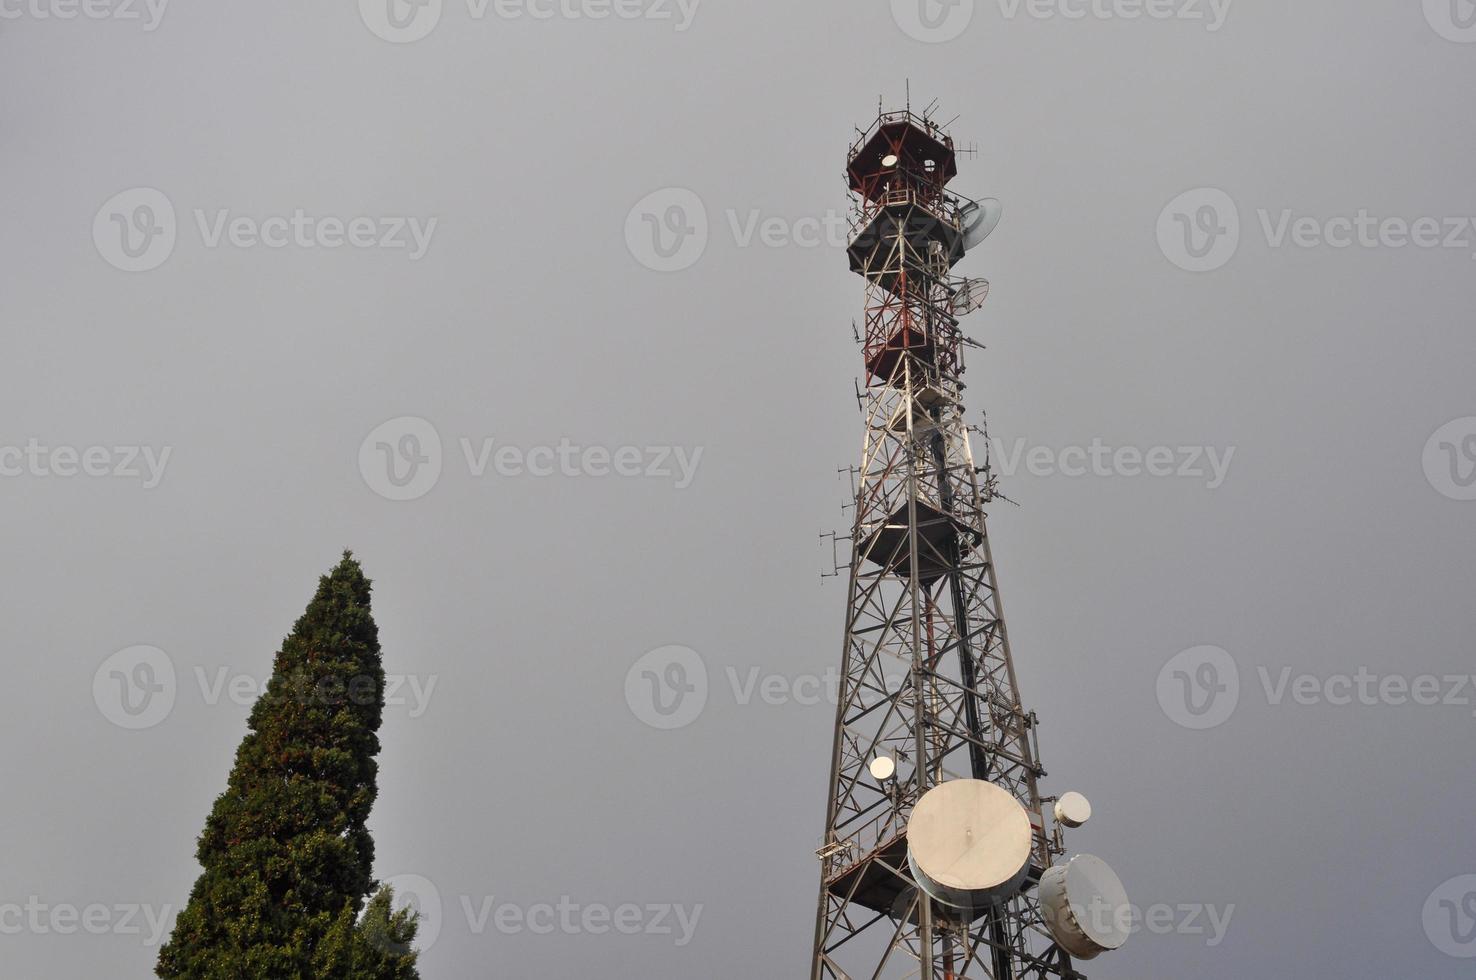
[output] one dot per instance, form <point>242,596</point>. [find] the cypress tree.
<point>286,855</point>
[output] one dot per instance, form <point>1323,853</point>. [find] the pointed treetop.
<point>346,579</point>
<point>347,567</point>
<point>286,855</point>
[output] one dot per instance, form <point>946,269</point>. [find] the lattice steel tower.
<point>928,692</point>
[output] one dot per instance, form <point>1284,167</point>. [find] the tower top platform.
<point>923,150</point>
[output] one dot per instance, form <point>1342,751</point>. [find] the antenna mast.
<point>929,721</point>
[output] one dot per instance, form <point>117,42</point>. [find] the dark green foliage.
<point>287,858</point>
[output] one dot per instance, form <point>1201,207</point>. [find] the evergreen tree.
<point>286,855</point>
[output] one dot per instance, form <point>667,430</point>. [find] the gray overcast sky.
<point>162,293</point>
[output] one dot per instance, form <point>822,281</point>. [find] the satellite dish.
<point>968,843</point>
<point>1073,810</point>
<point>905,906</point>
<point>1085,907</point>
<point>883,768</point>
<point>968,297</point>
<point>890,160</point>
<point>979,218</point>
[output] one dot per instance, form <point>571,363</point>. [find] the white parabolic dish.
<point>1085,906</point>
<point>968,843</point>
<point>1073,810</point>
<point>980,218</point>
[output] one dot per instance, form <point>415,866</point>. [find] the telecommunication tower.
<point>938,858</point>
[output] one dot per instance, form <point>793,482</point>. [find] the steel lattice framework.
<point>926,677</point>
